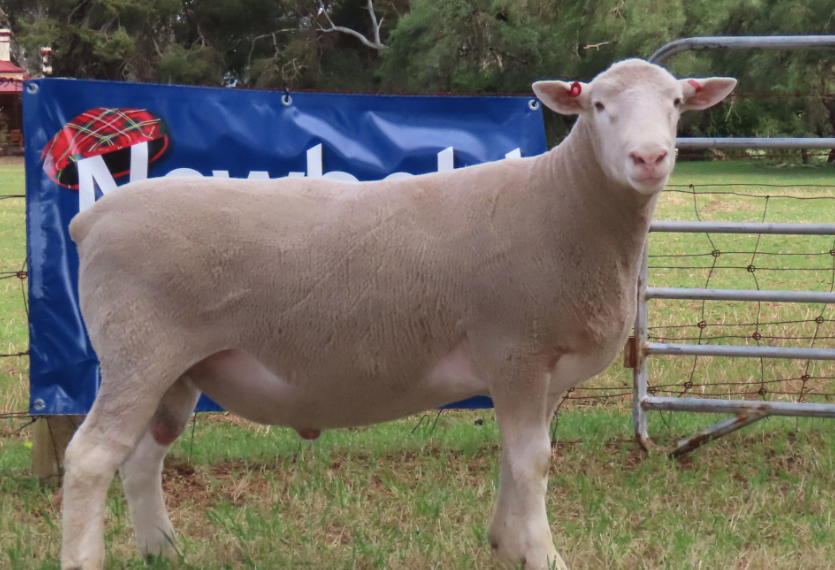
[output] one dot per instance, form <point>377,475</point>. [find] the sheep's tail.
<point>81,224</point>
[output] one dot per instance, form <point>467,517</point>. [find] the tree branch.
<point>597,46</point>
<point>373,44</point>
<point>272,35</point>
<point>374,23</point>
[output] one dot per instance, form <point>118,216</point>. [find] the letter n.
<point>91,172</point>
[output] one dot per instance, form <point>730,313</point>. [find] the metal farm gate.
<point>746,411</point>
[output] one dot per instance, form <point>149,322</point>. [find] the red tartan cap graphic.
<point>102,131</point>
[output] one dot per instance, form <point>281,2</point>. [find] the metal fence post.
<point>639,383</point>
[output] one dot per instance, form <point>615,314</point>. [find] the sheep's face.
<point>633,109</point>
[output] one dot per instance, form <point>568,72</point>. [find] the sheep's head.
<point>633,109</point>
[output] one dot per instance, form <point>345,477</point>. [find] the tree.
<point>502,45</point>
<point>260,43</point>
<point>462,46</point>
<point>105,39</point>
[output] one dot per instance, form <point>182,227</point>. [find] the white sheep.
<point>316,305</point>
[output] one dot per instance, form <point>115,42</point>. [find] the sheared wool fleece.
<point>352,296</point>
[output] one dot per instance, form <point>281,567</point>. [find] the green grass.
<point>14,335</point>
<point>247,496</point>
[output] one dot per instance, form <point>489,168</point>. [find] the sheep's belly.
<point>245,387</point>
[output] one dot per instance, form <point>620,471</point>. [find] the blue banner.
<point>84,138</point>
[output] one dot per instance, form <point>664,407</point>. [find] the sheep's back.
<point>388,264</point>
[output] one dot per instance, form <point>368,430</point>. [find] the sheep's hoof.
<point>544,558</point>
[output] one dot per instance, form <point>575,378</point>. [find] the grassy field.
<point>246,496</point>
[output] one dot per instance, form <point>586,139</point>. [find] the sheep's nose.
<point>648,158</point>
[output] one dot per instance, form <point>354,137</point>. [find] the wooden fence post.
<point>49,442</point>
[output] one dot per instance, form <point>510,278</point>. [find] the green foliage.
<point>106,39</point>
<point>197,66</point>
<point>463,46</point>
<point>499,46</point>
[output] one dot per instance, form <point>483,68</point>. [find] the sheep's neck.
<point>581,193</point>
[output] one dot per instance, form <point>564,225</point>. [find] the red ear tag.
<point>695,84</point>
<point>576,89</point>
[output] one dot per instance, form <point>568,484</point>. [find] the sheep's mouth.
<point>649,184</point>
<point>651,179</point>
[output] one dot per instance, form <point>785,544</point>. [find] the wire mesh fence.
<point>738,261</point>
<point>812,267</point>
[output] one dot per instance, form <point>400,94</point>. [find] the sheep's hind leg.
<point>119,417</point>
<point>141,474</point>
<point>519,533</point>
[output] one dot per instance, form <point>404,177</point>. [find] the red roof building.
<point>8,66</point>
<point>11,90</point>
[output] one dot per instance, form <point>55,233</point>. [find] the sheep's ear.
<point>705,92</point>
<point>562,97</point>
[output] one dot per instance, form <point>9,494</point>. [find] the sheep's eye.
<point>599,106</point>
<point>677,102</point>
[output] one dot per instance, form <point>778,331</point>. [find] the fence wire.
<point>797,387</point>
<point>792,262</point>
<point>13,294</point>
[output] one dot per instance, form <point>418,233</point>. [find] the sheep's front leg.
<point>519,533</point>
